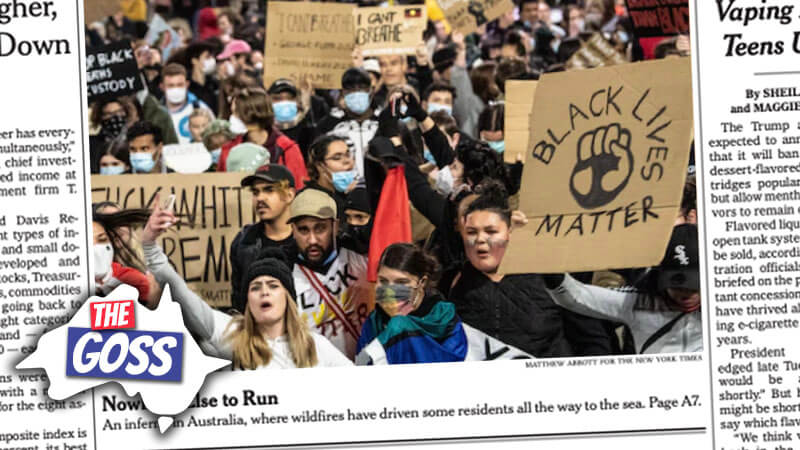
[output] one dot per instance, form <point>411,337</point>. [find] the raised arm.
<point>592,301</point>
<point>205,322</point>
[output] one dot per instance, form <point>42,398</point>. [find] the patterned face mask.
<point>392,297</point>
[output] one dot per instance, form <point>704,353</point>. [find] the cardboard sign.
<point>466,16</point>
<point>389,30</point>
<point>604,172</point>
<point>305,38</point>
<point>519,105</point>
<point>595,52</point>
<point>111,71</point>
<point>215,203</point>
<point>94,10</point>
<point>187,158</point>
<point>659,18</point>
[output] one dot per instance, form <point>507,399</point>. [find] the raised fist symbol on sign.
<point>604,165</point>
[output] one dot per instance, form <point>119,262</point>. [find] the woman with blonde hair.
<point>270,333</point>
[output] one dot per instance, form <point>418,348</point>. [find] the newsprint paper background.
<point>741,392</point>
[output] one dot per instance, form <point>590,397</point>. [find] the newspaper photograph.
<point>538,222</point>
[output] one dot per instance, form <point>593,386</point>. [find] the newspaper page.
<point>749,133</point>
<point>241,225</point>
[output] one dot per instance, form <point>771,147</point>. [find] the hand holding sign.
<point>604,165</point>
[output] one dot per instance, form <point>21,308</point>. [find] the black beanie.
<point>272,262</point>
<point>358,199</point>
<point>444,58</point>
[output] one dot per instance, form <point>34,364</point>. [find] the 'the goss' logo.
<point>105,351</point>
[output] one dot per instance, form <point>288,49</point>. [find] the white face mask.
<point>229,69</point>
<point>258,66</point>
<point>237,126</point>
<point>103,257</point>
<point>445,181</point>
<point>176,95</point>
<point>209,66</point>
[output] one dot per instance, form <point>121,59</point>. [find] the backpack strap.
<point>661,332</point>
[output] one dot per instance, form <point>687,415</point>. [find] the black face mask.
<point>359,235</point>
<point>113,126</point>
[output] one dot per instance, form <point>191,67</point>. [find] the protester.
<point>413,322</point>
<point>146,144</point>
<point>438,97</point>
<point>664,315</point>
<point>273,190</point>
<point>179,101</point>
<point>354,118</point>
<point>296,113</point>
<point>253,107</point>
<point>332,291</point>
<point>515,309</point>
<point>201,66</point>
<point>216,134</point>
<point>116,159</point>
<point>331,168</point>
<point>357,229</point>
<point>233,59</point>
<point>115,259</point>
<point>270,333</point>
<point>199,120</point>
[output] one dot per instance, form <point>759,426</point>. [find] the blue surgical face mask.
<point>142,162</point>
<point>342,180</point>
<point>357,102</point>
<point>112,170</point>
<point>215,155</point>
<point>285,111</point>
<point>498,146</point>
<point>433,107</point>
<point>429,156</point>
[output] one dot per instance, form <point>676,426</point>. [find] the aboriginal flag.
<point>413,13</point>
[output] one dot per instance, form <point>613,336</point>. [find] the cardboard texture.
<point>391,30</point>
<point>217,205</point>
<point>466,16</point>
<point>305,38</point>
<point>595,52</point>
<point>519,105</point>
<point>604,173</point>
<point>94,10</point>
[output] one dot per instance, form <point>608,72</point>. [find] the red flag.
<point>392,222</point>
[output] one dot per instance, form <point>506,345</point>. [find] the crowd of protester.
<point>316,160</point>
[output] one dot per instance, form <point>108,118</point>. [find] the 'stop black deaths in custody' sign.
<point>111,71</point>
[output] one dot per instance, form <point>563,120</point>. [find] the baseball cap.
<point>271,173</point>
<point>313,203</point>
<point>283,85</point>
<point>680,267</point>
<point>246,157</point>
<point>234,47</point>
<point>371,65</point>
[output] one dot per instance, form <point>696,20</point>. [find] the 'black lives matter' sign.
<point>656,18</point>
<point>604,169</point>
<point>111,71</point>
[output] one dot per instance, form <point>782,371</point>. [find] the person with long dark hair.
<point>515,309</point>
